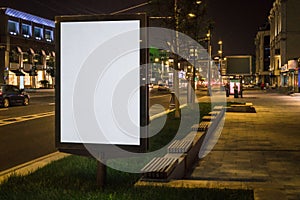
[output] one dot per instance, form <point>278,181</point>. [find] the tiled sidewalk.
<point>260,150</point>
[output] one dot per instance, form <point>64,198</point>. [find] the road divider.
<point>158,115</point>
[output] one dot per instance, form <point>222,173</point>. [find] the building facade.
<point>27,51</point>
<point>285,44</point>
<point>262,62</point>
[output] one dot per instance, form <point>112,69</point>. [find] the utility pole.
<point>220,52</point>
<point>194,76</point>
<point>209,63</point>
<point>175,71</point>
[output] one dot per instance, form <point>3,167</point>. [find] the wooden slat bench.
<point>202,126</point>
<point>180,146</point>
<point>159,167</point>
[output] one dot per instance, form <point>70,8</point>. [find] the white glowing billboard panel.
<point>99,82</point>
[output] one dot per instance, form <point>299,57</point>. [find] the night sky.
<point>235,21</point>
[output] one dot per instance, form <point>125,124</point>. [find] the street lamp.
<point>191,15</point>
<point>191,97</point>
<point>176,59</point>
<point>220,52</point>
<point>208,35</point>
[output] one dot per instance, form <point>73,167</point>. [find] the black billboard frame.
<point>79,148</point>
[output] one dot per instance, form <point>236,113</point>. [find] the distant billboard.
<point>100,96</point>
<point>239,65</point>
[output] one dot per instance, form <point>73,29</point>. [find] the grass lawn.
<point>74,177</point>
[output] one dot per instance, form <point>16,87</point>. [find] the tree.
<point>185,16</point>
<point>191,16</point>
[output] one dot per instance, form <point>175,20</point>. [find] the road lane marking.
<point>13,120</point>
<point>160,96</point>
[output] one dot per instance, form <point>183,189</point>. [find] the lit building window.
<point>26,30</point>
<point>13,27</point>
<point>49,35</point>
<point>38,33</point>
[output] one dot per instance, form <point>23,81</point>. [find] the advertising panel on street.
<point>239,65</point>
<point>101,93</point>
<point>233,82</point>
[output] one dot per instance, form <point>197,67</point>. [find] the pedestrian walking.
<point>262,86</point>
<point>227,89</point>
<point>241,90</point>
<point>236,90</point>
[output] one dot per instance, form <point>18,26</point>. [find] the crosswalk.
<point>18,119</point>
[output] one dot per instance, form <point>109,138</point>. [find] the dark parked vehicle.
<point>12,95</point>
<point>163,87</point>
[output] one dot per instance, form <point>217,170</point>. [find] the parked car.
<point>12,95</point>
<point>249,85</point>
<point>163,87</point>
<point>150,87</point>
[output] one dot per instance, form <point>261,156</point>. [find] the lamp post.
<point>175,73</point>
<point>194,76</point>
<point>191,96</point>
<point>176,50</point>
<point>209,63</point>
<point>220,52</point>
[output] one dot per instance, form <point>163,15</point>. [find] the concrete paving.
<point>259,151</point>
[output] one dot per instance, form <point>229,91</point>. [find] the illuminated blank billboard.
<point>98,80</point>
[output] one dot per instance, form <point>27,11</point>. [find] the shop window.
<point>14,57</point>
<point>285,80</point>
<point>38,59</point>
<point>26,30</point>
<point>50,62</point>
<point>27,61</point>
<point>49,35</point>
<point>38,33</point>
<point>13,27</point>
<point>26,58</point>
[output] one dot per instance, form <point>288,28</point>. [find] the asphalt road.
<point>26,132</point>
